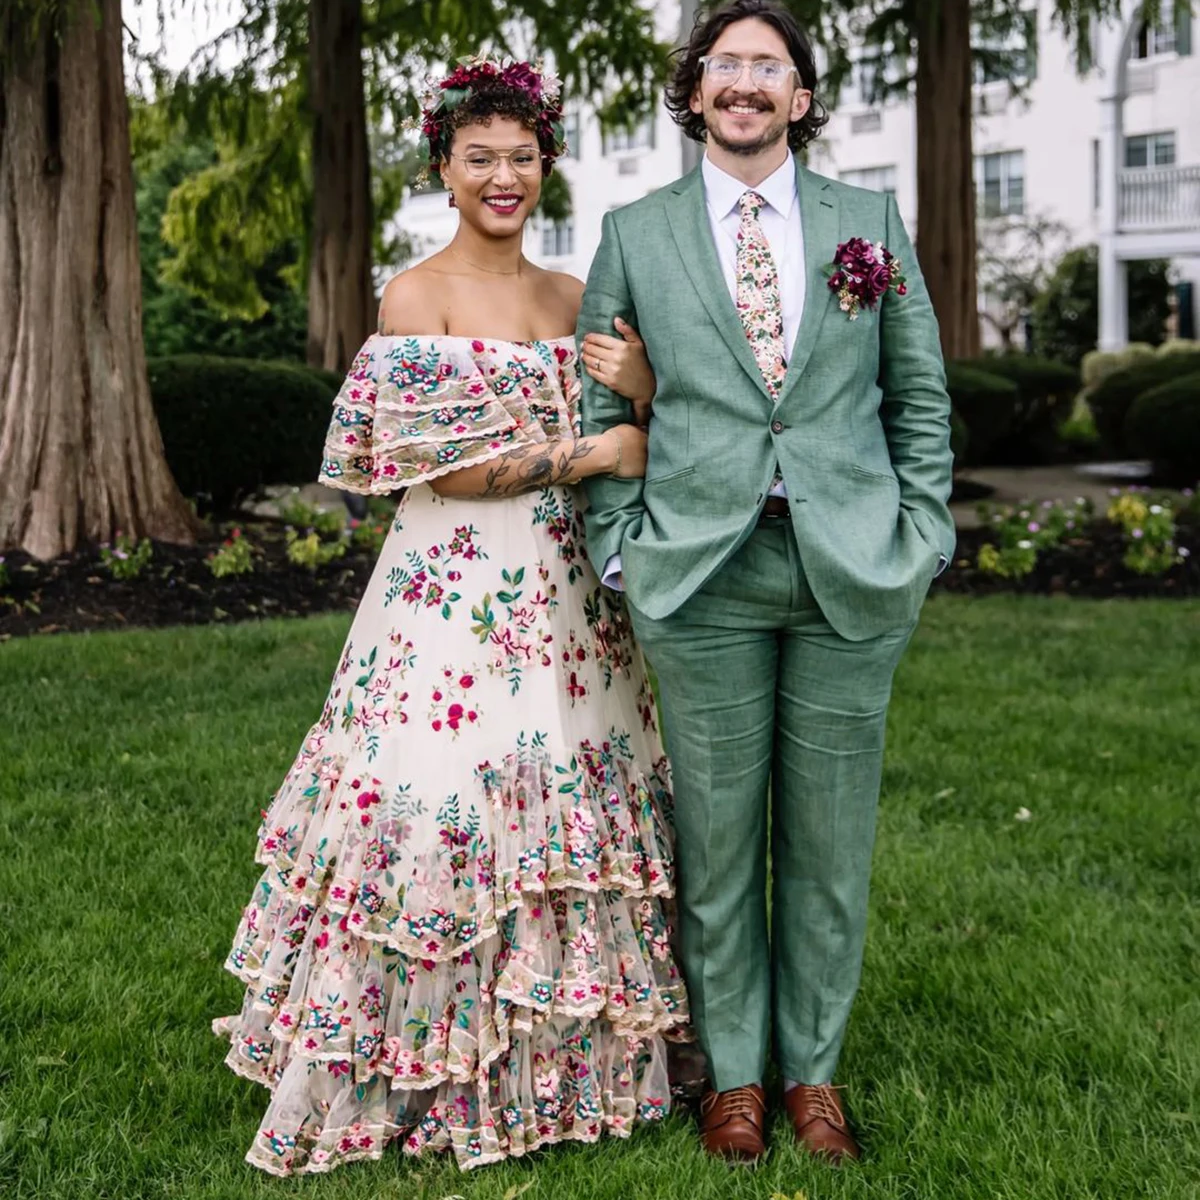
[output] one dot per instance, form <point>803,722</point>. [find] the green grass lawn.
<point>1029,1021</point>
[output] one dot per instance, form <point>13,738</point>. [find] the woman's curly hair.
<point>688,68</point>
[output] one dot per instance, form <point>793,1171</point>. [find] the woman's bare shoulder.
<point>411,302</point>
<point>568,290</point>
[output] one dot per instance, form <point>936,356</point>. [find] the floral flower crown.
<point>442,96</point>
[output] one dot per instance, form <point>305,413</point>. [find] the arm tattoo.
<point>530,467</point>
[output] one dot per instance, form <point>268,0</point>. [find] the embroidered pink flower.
<point>862,273</point>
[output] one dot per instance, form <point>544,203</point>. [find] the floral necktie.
<point>758,302</point>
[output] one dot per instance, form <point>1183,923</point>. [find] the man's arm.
<point>614,505</point>
<point>916,406</point>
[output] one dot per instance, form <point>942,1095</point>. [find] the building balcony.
<point>1158,199</point>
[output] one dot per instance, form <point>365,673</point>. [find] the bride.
<point>460,938</point>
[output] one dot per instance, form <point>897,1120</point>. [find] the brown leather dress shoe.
<point>820,1123</point>
<point>732,1123</point>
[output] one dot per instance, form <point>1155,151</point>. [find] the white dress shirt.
<point>781,226</point>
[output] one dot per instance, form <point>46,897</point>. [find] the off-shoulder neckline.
<point>459,337</point>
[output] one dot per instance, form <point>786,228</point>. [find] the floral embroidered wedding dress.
<point>459,938</point>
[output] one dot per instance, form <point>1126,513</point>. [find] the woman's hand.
<point>629,451</point>
<point>622,365</point>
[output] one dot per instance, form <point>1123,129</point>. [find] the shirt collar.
<point>724,191</point>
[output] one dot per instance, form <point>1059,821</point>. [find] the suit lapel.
<point>688,216</point>
<point>820,220</point>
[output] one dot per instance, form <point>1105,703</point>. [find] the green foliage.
<point>985,403</point>
<point>1113,397</point>
<point>1149,528</point>
<point>327,522</point>
<point>1066,316</point>
<point>175,320</point>
<point>232,426</point>
<point>1164,426</point>
<point>1099,364</point>
<point>1180,346</point>
<point>311,551</point>
<point>1045,396</point>
<point>235,557</point>
<point>369,534</point>
<point>126,558</point>
<point>1021,532</point>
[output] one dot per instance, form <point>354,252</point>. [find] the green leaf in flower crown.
<point>453,97</point>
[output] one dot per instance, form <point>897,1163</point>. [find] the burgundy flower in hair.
<point>442,96</point>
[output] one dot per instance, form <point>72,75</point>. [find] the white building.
<point>1111,154</point>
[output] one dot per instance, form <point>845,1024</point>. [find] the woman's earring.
<point>453,202</point>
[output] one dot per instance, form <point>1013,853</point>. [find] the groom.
<point>776,554</point>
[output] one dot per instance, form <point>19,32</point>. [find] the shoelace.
<point>822,1102</point>
<point>740,1102</point>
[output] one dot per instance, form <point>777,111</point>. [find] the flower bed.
<point>308,563</point>
<point>1141,545</point>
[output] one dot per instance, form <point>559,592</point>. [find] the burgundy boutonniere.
<point>862,273</point>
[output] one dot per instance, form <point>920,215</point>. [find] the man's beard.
<point>771,137</point>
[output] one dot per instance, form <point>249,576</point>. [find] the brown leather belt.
<point>776,506</point>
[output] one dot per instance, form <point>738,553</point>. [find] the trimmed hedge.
<point>1163,425</point>
<point>1045,398</point>
<point>985,403</point>
<point>233,426</point>
<point>1112,398</point>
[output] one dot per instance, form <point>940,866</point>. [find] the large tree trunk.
<point>80,451</point>
<point>945,192</point>
<point>341,298</point>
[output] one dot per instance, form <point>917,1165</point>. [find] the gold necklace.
<point>478,267</point>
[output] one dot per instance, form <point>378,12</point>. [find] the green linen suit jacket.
<point>860,430</point>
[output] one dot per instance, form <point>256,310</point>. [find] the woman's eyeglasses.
<point>482,163</point>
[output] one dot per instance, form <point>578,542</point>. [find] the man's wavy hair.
<point>688,69</point>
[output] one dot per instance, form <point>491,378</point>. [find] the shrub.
<point>232,426</point>
<point>1164,425</point>
<point>1066,316</point>
<point>959,438</point>
<point>1045,397</point>
<point>1099,364</point>
<point>1112,399</point>
<point>986,404</point>
<point>1179,346</point>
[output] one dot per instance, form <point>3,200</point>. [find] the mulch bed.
<point>1090,566</point>
<point>76,594</point>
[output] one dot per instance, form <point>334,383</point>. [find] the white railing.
<point>1159,198</point>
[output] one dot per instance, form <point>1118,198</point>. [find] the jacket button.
<point>776,426</point>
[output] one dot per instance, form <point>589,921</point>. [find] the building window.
<point>1150,150</point>
<point>868,78</point>
<point>573,128</point>
<point>1007,57</point>
<point>875,179</point>
<point>558,239</point>
<point>623,141</point>
<point>1153,40</point>
<point>1000,183</point>
<point>1095,172</point>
